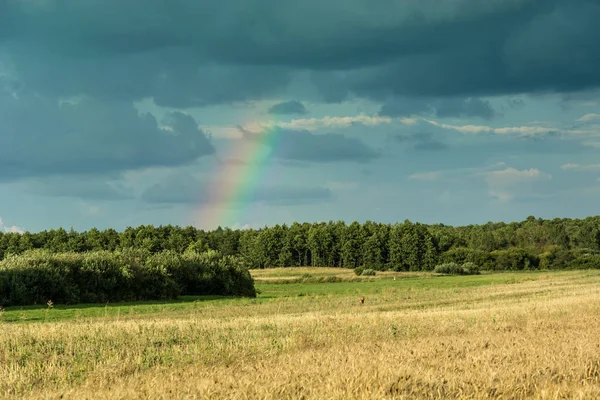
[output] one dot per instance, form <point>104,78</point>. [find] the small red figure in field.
<point>362,300</point>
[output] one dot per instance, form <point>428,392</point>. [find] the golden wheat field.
<point>533,335</point>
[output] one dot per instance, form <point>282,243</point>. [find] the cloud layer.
<point>288,107</point>
<point>189,53</point>
<point>303,145</point>
<point>103,100</point>
<point>440,108</point>
<point>43,137</point>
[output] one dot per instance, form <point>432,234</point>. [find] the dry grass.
<point>533,339</point>
<point>281,275</point>
<point>324,275</point>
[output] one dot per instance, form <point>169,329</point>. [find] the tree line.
<point>408,246</point>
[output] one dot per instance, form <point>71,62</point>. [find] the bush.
<point>450,268</point>
<point>67,278</point>
<point>214,273</point>
<point>515,259</point>
<point>359,270</point>
<point>368,272</point>
<point>467,268</point>
<point>461,255</point>
<point>470,268</point>
<point>586,261</point>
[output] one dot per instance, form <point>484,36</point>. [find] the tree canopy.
<point>406,246</point>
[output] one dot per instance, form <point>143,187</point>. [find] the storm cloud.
<point>42,137</point>
<point>303,145</point>
<point>186,53</point>
<point>288,107</point>
<point>440,108</point>
<point>102,99</point>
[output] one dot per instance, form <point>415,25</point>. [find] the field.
<point>417,335</point>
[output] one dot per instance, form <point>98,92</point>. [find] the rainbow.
<point>238,178</point>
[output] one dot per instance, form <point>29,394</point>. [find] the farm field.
<point>505,335</point>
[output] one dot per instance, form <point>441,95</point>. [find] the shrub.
<point>461,255</point>
<point>586,261</point>
<point>515,259</point>
<point>359,270</point>
<point>470,268</point>
<point>211,272</point>
<point>450,268</point>
<point>38,276</point>
<point>467,268</point>
<point>368,272</point>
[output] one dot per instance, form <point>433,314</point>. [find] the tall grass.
<point>68,278</point>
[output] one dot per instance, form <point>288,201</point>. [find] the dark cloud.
<point>405,107</point>
<point>306,146</point>
<point>570,99</point>
<point>464,108</point>
<point>40,137</point>
<point>185,189</point>
<point>515,103</point>
<point>303,145</point>
<point>441,108</point>
<point>273,32</point>
<point>545,46</point>
<point>288,107</point>
<point>186,53</point>
<point>174,77</point>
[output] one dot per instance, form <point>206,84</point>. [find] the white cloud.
<point>523,130</point>
<point>514,130</point>
<point>309,124</point>
<point>426,176</point>
<point>10,229</point>
<point>240,226</point>
<point>509,183</point>
<point>472,129</point>
<point>14,229</point>
<point>579,167</point>
<point>511,175</point>
<point>589,117</point>
<point>408,121</point>
<point>312,124</point>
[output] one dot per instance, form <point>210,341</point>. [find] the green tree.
<point>352,243</point>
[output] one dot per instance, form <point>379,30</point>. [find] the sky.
<point>117,113</point>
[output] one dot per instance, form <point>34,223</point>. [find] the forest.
<point>534,243</point>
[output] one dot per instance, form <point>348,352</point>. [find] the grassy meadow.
<point>418,335</point>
